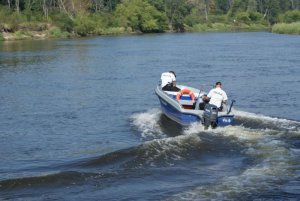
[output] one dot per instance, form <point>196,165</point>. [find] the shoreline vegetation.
<point>40,19</point>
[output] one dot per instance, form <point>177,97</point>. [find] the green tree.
<point>237,6</point>
<point>176,11</point>
<point>290,16</point>
<point>272,10</point>
<point>252,6</point>
<point>160,5</point>
<point>139,15</point>
<point>222,6</point>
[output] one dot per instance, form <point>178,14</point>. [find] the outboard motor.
<point>210,116</point>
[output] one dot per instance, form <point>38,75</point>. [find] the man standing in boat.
<point>168,81</point>
<point>217,96</point>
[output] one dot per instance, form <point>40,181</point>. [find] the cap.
<point>172,73</point>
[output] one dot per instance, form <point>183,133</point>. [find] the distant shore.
<point>56,33</point>
<point>52,32</point>
<point>40,20</point>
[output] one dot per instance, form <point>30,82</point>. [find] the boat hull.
<point>184,119</point>
<point>174,111</point>
<point>225,120</point>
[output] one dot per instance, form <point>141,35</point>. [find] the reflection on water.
<point>25,55</point>
<point>32,46</point>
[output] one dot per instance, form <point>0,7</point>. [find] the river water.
<point>80,121</point>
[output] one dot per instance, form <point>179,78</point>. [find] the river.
<point>80,121</point>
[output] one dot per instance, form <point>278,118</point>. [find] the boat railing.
<point>230,107</point>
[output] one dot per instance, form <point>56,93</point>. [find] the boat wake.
<point>258,157</point>
<point>251,120</point>
<point>269,143</point>
<point>146,124</point>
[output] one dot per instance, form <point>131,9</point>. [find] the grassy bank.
<point>51,31</point>
<point>223,27</point>
<point>284,28</point>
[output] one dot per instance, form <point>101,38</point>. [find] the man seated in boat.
<point>217,96</point>
<point>168,81</point>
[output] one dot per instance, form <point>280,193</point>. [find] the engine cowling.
<point>210,116</point>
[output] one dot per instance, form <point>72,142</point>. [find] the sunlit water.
<point>80,121</point>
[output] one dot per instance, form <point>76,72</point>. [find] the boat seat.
<point>186,102</point>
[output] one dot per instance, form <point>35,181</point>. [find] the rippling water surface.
<point>80,121</point>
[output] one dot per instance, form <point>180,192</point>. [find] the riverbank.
<point>53,32</point>
<point>36,20</point>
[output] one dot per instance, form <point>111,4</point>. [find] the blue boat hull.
<point>181,118</point>
<point>185,118</point>
<point>225,120</point>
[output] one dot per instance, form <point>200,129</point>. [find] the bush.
<point>112,30</point>
<point>21,35</point>
<point>193,19</point>
<point>140,16</point>
<point>243,17</point>
<point>282,28</point>
<point>4,13</point>
<point>255,16</point>
<point>56,32</point>
<point>290,16</point>
<point>211,27</point>
<point>104,20</point>
<point>258,27</point>
<point>63,21</point>
<point>221,27</point>
<point>1,37</point>
<point>218,18</point>
<point>84,25</point>
<point>32,26</point>
<point>12,21</point>
<point>200,27</point>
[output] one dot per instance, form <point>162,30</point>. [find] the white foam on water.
<point>194,129</point>
<point>273,163</point>
<point>147,124</point>
<point>169,149</point>
<point>283,123</point>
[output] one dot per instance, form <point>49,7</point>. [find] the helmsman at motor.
<point>217,96</point>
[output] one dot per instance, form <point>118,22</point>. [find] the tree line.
<point>84,17</point>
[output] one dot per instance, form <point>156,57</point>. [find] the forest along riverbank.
<point>21,20</point>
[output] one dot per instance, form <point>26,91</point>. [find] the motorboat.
<point>187,106</point>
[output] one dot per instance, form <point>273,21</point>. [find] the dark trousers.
<point>170,87</point>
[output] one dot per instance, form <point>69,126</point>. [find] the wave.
<point>147,124</point>
<point>273,169</point>
<point>253,120</point>
<point>154,153</point>
<point>273,161</point>
<point>46,179</point>
<point>152,124</point>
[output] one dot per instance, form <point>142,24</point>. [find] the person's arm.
<point>174,83</point>
<point>173,80</point>
<point>204,97</point>
<point>225,98</point>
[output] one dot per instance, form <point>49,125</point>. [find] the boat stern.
<point>225,120</point>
